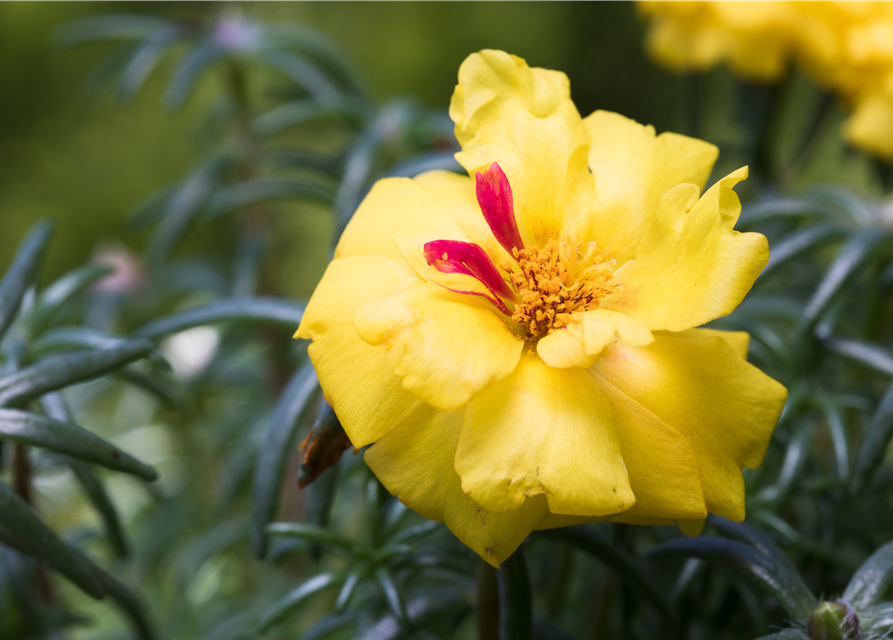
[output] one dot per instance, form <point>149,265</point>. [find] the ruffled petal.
<point>587,334</point>
<point>415,462</point>
<point>395,206</point>
<point>633,168</point>
<point>358,380</point>
<point>523,119</point>
<point>451,346</point>
<point>662,465</point>
<point>724,407</point>
<point>543,431</point>
<point>691,266</point>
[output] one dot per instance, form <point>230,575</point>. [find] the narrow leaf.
<point>184,206</point>
<point>627,566</point>
<point>784,209</point>
<point>61,291</point>
<point>304,73</point>
<point>68,338</point>
<point>878,620</point>
<point>99,498</point>
<point>294,113</point>
<point>786,634</point>
<point>267,189</point>
<point>347,589</point>
<point>119,27</point>
<point>867,354</point>
<point>286,607</point>
<point>800,243</point>
<point>40,541</point>
<point>62,371</point>
<point>852,257</point>
<point>275,311</point>
<point>22,272</point>
<point>144,60</point>
<point>871,581</point>
<point>312,533</point>
<point>191,66</point>
<point>56,408</point>
<point>275,449</point>
<point>871,452</point>
<point>39,431</point>
<point>777,580</point>
<point>837,428</point>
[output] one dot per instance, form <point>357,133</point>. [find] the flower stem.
<point>487,602</point>
<point>515,606</point>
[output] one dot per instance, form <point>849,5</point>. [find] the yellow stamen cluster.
<point>555,281</point>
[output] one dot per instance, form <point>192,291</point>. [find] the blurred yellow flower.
<point>520,345</point>
<point>846,47</point>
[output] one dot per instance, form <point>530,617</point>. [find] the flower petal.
<point>495,197</point>
<point>738,340</point>
<point>870,127</point>
<point>724,407</point>
<point>662,465</point>
<point>451,346</point>
<point>543,430</point>
<point>523,119</point>
<point>587,334</point>
<point>395,206</point>
<point>633,168</point>
<point>358,379</point>
<point>467,258</point>
<point>415,462</point>
<point>691,266</point>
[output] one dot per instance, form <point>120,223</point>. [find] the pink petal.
<point>467,258</point>
<point>495,198</point>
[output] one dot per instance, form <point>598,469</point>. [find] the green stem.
<point>515,605</point>
<point>487,602</point>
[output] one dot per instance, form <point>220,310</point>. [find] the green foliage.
<point>187,360</point>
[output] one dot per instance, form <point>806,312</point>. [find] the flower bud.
<point>833,621</point>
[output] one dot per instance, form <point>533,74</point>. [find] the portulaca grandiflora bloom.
<point>520,345</point>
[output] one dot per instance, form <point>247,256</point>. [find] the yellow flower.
<point>520,344</point>
<point>756,39</point>
<point>844,46</point>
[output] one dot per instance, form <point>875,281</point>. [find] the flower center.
<point>540,287</point>
<point>554,281</point>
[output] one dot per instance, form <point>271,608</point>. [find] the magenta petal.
<point>467,258</point>
<point>495,198</point>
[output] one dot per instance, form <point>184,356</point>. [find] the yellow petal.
<point>691,266</point>
<point>724,407</point>
<point>451,345</point>
<point>633,168</point>
<point>358,380</point>
<point>457,195</point>
<point>395,205</point>
<point>738,340</point>
<point>523,119</point>
<point>870,127</point>
<point>691,528</point>
<point>662,465</point>
<point>415,462</point>
<point>587,334</point>
<point>543,431</point>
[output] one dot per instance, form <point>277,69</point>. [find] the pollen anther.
<point>556,280</point>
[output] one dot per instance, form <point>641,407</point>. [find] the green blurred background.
<point>85,162</point>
